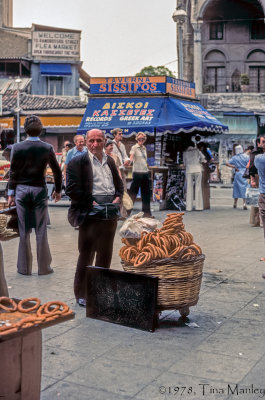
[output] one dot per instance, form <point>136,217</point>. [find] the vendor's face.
<point>95,142</point>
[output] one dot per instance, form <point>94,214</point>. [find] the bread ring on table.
<point>22,309</point>
<point>10,301</point>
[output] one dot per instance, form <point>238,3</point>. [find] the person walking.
<point>141,179</point>
<point>254,218</point>
<point>206,171</point>
<point>79,148</point>
<point>193,160</point>
<point>239,162</point>
<point>27,190</point>
<point>259,163</point>
<point>95,189</point>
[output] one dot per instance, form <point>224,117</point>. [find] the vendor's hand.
<point>11,201</point>
<point>127,162</point>
<point>56,196</point>
<point>117,200</point>
<point>95,203</point>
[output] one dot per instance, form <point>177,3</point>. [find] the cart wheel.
<point>184,312</point>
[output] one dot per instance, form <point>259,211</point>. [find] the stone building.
<point>221,47</point>
<point>223,39</point>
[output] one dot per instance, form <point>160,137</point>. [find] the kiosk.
<point>164,108</point>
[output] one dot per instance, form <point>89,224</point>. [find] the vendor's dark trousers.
<point>141,180</point>
<point>95,239</point>
<point>32,211</point>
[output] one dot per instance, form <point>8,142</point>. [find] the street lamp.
<point>17,110</point>
<point>179,16</point>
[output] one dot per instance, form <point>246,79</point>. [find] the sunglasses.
<point>141,138</point>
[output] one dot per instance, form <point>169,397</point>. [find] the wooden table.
<point>20,360</point>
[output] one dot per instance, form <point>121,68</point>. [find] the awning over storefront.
<point>55,69</point>
<point>163,114</point>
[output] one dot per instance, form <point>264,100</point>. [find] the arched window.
<point>215,77</point>
<point>256,60</point>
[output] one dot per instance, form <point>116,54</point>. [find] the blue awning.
<point>134,114</point>
<point>55,69</point>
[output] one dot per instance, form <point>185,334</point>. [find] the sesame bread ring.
<point>10,301</point>
<point>28,309</point>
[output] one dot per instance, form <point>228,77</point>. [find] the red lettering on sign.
<point>150,113</point>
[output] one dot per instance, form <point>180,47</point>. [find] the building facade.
<point>223,39</point>
<point>41,73</point>
<point>221,47</point>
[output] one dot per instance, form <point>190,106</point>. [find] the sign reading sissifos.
<point>142,85</point>
<point>125,84</point>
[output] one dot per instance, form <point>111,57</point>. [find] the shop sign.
<point>128,84</point>
<point>142,85</point>
<point>130,113</point>
<point>56,44</point>
<point>180,88</point>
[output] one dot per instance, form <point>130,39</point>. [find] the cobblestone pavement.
<point>222,358</point>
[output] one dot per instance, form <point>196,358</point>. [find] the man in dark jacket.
<point>95,189</point>
<point>27,189</point>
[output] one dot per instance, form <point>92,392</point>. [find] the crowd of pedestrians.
<point>93,174</point>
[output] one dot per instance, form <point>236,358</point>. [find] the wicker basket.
<point>179,281</point>
<point>3,205</point>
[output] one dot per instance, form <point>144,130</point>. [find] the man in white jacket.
<point>193,159</point>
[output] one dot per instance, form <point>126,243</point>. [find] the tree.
<point>153,71</point>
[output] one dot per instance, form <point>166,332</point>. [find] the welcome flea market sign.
<point>56,44</point>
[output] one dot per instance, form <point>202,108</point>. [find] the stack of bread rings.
<point>171,241</point>
<point>36,314</point>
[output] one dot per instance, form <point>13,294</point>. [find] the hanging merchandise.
<point>175,190</point>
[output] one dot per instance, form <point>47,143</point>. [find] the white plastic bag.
<point>252,196</point>
<point>136,224</point>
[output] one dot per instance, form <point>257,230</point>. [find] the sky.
<point>119,37</point>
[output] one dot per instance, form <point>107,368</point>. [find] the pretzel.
<point>10,301</point>
<point>29,309</point>
<point>11,329</point>
<point>44,309</point>
<point>29,321</point>
<point>170,241</point>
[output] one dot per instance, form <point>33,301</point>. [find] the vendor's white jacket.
<point>193,159</point>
